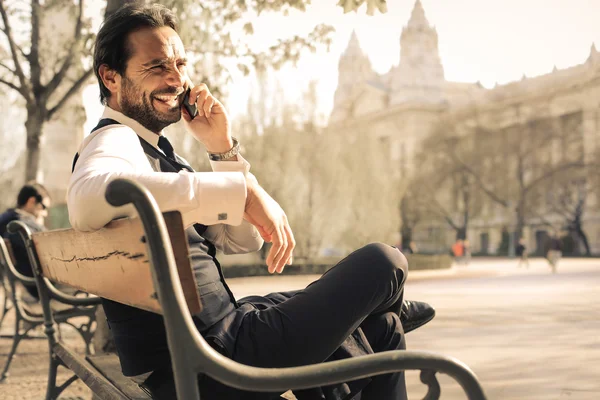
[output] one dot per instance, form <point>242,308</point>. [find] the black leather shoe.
<point>415,314</point>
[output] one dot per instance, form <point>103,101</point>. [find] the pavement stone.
<point>29,368</point>
<point>28,372</point>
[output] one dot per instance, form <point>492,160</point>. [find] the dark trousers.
<point>303,327</point>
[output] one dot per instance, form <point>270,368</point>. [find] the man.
<point>32,204</point>
<point>521,252</point>
<point>554,251</point>
<point>353,309</point>
<point>458,250</point>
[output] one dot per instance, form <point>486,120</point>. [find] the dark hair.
<point>111,42</point>
<point>32,190</point>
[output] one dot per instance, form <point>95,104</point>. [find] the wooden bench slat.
<point>87,373</point>
<point>110,367</point>
<point>113,262</point>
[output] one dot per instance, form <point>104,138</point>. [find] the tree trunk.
<point>33,126</point>
<point>520,214</point>
<point>405,235</point>
<point>583,237</point>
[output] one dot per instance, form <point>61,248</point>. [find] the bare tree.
<point>373,190</point>
<point>443,189</point>
<point>568,202</point>
<point>516,161</point>
<point>45,80</point>
<point>26,68</point>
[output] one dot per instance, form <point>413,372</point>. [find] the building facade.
<point>406,105</point>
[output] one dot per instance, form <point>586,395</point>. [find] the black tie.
<point>165,146</point>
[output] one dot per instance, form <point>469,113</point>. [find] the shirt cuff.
<point>220,197</point>
<point>241,165</point>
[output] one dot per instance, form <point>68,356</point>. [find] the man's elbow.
<point>88,210</point>
<point>258,244</point>
<point>249,246</point>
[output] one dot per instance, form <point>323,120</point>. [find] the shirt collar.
<point>141,131</point>
<point>24,213</point>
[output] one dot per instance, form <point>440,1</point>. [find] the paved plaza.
<point>527,334</point>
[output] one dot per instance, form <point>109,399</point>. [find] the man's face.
<point>41,208</point>
<point>36,207</point>
<point>155,79</point>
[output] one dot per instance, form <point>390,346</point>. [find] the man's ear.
<point>30,203</point>
<point>110,78</point>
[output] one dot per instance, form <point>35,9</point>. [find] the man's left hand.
<point>211,124</point>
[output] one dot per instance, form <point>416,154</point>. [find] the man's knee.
<point>384,332</point>
<point>385,260</point>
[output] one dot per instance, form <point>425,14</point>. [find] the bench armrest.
<point>63,297</point>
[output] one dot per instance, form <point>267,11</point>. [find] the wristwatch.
<point>234,151</point>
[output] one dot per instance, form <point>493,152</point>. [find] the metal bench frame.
<point>6,303</point>
<point>27,319</point>
<point>192,355</point>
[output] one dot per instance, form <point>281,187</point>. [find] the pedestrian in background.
<point>458,251</point>
<point>521,252</point>
<point>466,252</point>
<point>555,252</point>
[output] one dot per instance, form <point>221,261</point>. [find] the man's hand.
<point>267,216</point>
<point>211,125</point>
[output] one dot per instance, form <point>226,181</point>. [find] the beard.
<point>137,105</point>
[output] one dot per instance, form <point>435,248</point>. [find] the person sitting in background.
<point>33,201</point>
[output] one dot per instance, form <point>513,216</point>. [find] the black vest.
<point>139,335</point>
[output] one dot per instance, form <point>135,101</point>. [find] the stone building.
<point>408,103</point>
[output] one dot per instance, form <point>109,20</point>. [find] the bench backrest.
<point>113,262</point>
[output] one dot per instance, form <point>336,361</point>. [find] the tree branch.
<point>76,86</point>
<point>551,173</point>
<point>13,51</point>
<point>34,59</point>
<point>12,86</point>
<point>58,77</point>
<point>542,218</point>
<point>9,69</point>
<point>479,182</point>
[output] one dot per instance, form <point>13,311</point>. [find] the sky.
<point>489,41</point>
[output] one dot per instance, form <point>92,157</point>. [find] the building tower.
<point>354,69</point>
<point>419,75</point>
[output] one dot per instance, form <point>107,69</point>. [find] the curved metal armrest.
<point>25,280</point>
<point>63,297</point>
<point>245,377</point>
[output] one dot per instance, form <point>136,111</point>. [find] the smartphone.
<point>191,109</point>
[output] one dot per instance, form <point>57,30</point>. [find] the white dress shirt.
<point>216,199</point>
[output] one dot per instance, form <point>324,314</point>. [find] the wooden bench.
<point>28,310</point>
<point>144,263</point>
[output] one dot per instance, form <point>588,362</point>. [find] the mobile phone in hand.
<point>191,108</point>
